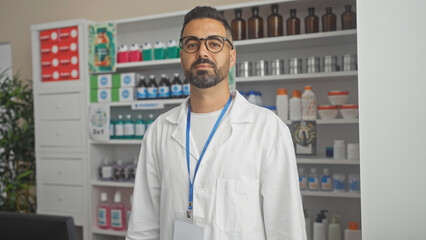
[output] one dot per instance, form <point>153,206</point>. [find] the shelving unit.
<point>331,194</point>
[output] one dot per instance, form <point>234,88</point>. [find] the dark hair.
<point>207,12</point>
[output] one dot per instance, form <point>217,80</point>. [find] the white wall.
<point>6,58</point>
<point>392,94</point>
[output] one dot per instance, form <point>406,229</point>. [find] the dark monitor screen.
<point>20,226</point>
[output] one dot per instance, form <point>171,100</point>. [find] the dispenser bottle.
<point>140,127</point>
<point>129,127</point>
<point>119,128</point>
<point>334,232</point>
<point>103,212</point>
<point>152,88</point>
<point>275,23</point>
<point>293,23</point>
<point>296,107</point>
<point>176,88</point>
<point>319,228</point>
<point>348,18</point>
<point>328,20</point>
<point>282,103</point>
<point>118,214</point>
<point>141,89</point>
<point>353,233</point>
<point>238,27</point>
<point>255,23</point>
<point>309,105</point>
<point>164,87</point>
<point>311,21</point>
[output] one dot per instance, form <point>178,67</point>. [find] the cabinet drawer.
<point>60,198</point>
<point>61,171</point>
<point>59,106</point>
<point>68,134</point>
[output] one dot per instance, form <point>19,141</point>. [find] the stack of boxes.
<point>105,88</point>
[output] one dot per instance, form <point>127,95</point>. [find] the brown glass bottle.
<point>311,22</point>
<point>348,18</point>
<point>293,23</point>
<point>238,27</point>
<point>275,23</point>
<point>328,20</point>
<point>255,25</point>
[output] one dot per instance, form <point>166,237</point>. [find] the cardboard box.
<point>125,80</point>
<point>127,94</point>
<point>102,81</point>
<point>100,96</point>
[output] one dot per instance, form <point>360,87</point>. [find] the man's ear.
<point>232,58</point>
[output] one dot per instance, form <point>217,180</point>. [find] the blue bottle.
<point>152,88</point>
<point>141,89</point>
<point>186,88</point>
<point>176,88</point>
<point>164,87</point>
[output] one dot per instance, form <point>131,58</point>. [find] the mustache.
<point>203,60</point>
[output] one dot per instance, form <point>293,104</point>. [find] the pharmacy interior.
<point>98,87</point>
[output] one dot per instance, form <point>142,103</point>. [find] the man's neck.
<point>209,99</point>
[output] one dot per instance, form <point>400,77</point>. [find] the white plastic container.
<point>353,232</point>
<point>282,103</point>
<point>338,97</point>
<point>309,104</point>
<point>295,106</point>
<point>334,232</point>
<point>339,149</point>
<point>353,151</point>
<point>328,111</point>
<point>349,111</point>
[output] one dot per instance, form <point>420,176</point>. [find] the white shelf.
<point>150,104</point>
<point>327,161</point>
<point>112,184</point>
<point>148,64</point>
<point>109,232</point>
<point>331,194</point>
<point>298,41</point>
<point>322,76</point>
<point>332,121</point>
<point>118,142</point>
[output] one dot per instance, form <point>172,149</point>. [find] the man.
<point>242,156</point>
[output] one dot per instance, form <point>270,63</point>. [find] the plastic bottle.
<point>105,170</point>
<point>150,120</point>
<point>309,105</point>
<point>339,149</point>
<point>141,90</point>
<point>319,228</point>
<point>129,127</point>
<point>123,54</point>
<point>251,97</point>
<point>129,210</point>
<point>293,23</point>
<point>118,213</point>
<point>130,170</point>
<point>140,127</point>
<point>353,233</point>
<point>238,26</point>
<point>282,103</point>
<point>147,51</point>
<point>119,174</point>
<point>255,22</point>
<point>314,181</point>
<point>159,51</point>
<point>104,212</point>
<point>326,180</point>
<point>259,101</point>
<point>164,87</point>
<point>119,128</point>
<point>308,225</point>
<point>295,107</point>
<point>303,179</point>
<point>275,23</point>
<point>111,129</point>
<point>334,232</point>
<point>176,88</point>
<point>186,88</point>
<point>172,49</point>
<point>135,54</point>
<point>152,88</point>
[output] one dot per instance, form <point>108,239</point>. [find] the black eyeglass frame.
<point>225,39</point>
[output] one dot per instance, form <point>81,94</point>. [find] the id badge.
<point>186,230</point>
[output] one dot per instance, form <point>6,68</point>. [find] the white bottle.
<point>119,127</point>
<point>339,149</point>
<point>303,179</point>
<point>251,97</point>
<point>140,127</point>
<point>259,99</point>
<point>296,107</point>
<point>319,228</point>
<point>129,127</point>
<point>314,182</point>
<point>282,103</point>
<point>309,105</point>
<point>326,180</point>
<point>353,233</point>
<point>308,226</point>
<point>334,232</point>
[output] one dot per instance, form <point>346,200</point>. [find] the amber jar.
<point>255,23</point>
<point>275,23</point>
<point>293,23</point>
<point>348,18</point>
<point>238,27</point>
<point>328,20</point>
<point>311,22</point>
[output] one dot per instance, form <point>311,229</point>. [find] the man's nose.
<point>203,52</point>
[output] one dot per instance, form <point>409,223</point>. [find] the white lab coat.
<point>246,186</point>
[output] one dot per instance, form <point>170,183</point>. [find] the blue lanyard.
<point>188,127</point>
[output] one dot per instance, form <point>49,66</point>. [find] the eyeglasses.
<point>214,44</point>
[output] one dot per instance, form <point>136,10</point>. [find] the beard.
<point>205,79</point>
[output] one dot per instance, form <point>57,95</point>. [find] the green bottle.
<point>140,127</point>
<point>150,120</point>
<point>119,128</point>
<point>129,127</point>
<point>111,129</point>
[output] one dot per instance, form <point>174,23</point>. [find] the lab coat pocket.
<point>237,205</point>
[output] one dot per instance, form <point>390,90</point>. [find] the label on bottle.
<point>141,93</point>
<point>164,92</point>
<point>186,89</point>
<point>303,182</point>
<point>116,221</point>
<point>129,129</point>
<point>326,183</point>
<point>102,217</point>
<point>106,172</point>
<point>313,183</point>
<point>177,90</point>
<point>152,92</point>
<point>119,130</point>
<point>140,129</point>
<point>309,106</point>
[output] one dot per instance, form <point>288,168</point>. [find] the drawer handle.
<point>61,198</point>
<point>59,172</point>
